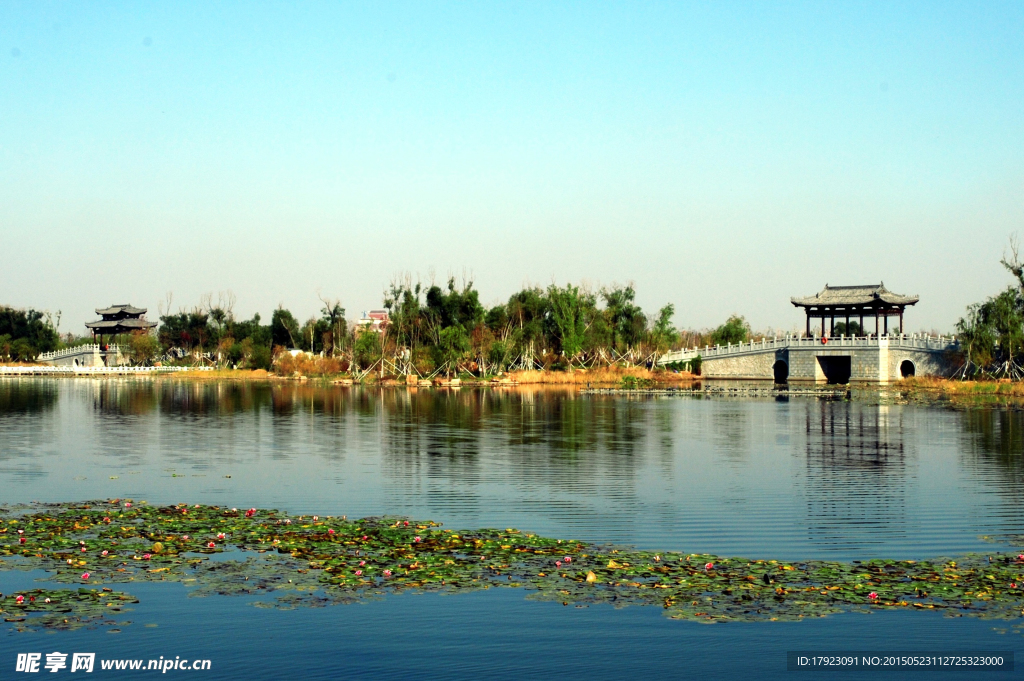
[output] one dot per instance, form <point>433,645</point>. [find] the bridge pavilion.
<point>855,302</point>
<point>119,319</point>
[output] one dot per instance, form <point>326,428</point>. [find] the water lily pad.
<point>287,561</point>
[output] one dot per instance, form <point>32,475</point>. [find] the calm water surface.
<point>803,478</point>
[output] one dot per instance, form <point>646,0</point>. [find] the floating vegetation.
<point>311,561</point>
<point>63,608</point>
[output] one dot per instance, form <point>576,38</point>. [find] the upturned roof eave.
<point>127,309</point>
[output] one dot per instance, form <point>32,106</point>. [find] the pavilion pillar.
<point>901,321</point>
<point>862,324</point>
<point>876,323</point>
<point>822,323</point>
<point>808,325</point>
<point>886,322</point>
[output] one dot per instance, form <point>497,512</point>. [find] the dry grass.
<point>953,388</point>
<point>305,365</point>
<point>221,375</point>
<point>604,375</point>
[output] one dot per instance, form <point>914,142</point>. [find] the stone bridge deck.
<point>840,360</point>
<point>91,355</point>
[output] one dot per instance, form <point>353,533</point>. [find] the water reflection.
<point>26,396</point>
<point>793,478</point>
<point>995,450</point>
<point>856,467</point>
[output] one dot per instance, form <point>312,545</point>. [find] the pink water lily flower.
<point>21,540</point>
<point>365,537</point>
<point>221,535</point>
<point>567,559</point>
<point>362,562</point>
<point>19,599</point>
<point>106,519</point>
<point>558,563</point>
<point>85,575</point>
<point>709,566</point>
<point>185,537</point>
<point>104,553</point>
<point>83,549</point>
<point>211,545</point>
<point>147,556</point>
<point>316,518</point>
<point>331,531</point>
<point>657,559</point>
<point>1013,585</point>
<point>359,573</point>
<point>250,513</point>
<point>46,600</point>
<point>387,573</point>
<point>21,531</point>
<point>407,523</point>
<point>873,596</point>
<point>417,540</point>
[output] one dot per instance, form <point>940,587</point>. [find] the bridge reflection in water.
<point>855,474</point>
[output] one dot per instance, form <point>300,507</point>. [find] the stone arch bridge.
<point>871,359</point>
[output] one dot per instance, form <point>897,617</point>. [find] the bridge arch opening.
<point>836,368</point>
<point>77,361</point>
<point>907,369</point>
<point>781,371</point>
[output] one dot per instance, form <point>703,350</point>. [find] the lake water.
<point>763,478</point>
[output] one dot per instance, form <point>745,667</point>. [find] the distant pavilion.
<point>119,319</point>
<point>855,302</point>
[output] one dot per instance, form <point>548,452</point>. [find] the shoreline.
<point>581,377</point>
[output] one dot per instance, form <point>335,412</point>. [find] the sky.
<point>722,157</point>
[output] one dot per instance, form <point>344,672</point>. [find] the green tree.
<point>284,329</point>
<point>568,307</point>
<point>333,314</point>
<point>853,329</point>
<point>454,306</point>
<point>992,334</point>
<point>142,347</point>
<point>367,348</point>
<point>663,334</point>
<point>451,348</point>
<point>32,327</point>
<point>735,330</point>
<point>186,330</point>
<point>626,320</point>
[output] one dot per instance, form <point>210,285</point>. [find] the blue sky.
<point>723,157</point>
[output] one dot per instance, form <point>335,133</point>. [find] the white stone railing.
<point>78,350</point>
<point>75,371</point>
<point>908,340</point>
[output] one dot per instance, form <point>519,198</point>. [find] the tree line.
<point>435,328</point>
<point>26,333</point>
<point>991,334</point>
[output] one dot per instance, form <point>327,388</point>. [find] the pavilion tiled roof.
<point>854,295</point>
<point>129,323</point>
<point>127,309</point>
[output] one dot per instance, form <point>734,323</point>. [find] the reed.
<point>954,388</point>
